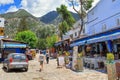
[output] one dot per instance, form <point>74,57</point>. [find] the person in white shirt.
<point>41,60</point>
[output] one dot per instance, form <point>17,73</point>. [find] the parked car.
<point>15,61</point>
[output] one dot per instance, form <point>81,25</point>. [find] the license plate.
<point>19,66</point>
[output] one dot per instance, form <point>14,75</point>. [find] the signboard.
<point>74,61</point>
<point>61,61</point>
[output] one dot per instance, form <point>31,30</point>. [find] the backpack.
<point>41,57</point>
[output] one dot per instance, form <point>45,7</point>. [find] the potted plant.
<point>110,58</point>
<point>111,68</point>
<point>79,65</point>
<point>67,57</point>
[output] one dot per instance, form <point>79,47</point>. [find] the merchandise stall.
<point>97,46</point>
<point>11,46</point>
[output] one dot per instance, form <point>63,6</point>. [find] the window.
<point>19,57</point>
<point>71,36</point>
<point>118,22</point>
<point>104,27</point>
<point>75,33</point>
<point>1,31</point>
<point>113,0</point>
<point>83,30</point>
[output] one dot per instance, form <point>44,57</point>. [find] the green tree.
<point>67,20</point>
<point>45,31</point>
<point>23,25</point>
<point>84,6</point>
<point>66,15</point>
<point>41,44</point>
<point>28,37</point>
<point>63,28</point>
<point>50,41</point>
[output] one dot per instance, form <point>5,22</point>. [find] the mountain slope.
<point>49,17</point>
<point>18,14</point>
<point>54,18</point>
<point>13,21</point>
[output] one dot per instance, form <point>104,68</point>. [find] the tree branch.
<point>75,9</point>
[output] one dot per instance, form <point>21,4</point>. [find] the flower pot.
<point>66,60</point>
<point>111,70</point>
<point>79,65</point>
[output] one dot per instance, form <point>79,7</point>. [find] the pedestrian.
<point>41,60</point>
<point>27,52</point>
<point>47,56</point>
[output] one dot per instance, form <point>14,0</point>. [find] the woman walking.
<point>47,57</point>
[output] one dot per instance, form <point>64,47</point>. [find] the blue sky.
<point>35,7</point>
<point>4,5</point>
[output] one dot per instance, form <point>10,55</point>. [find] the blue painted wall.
<point>104,16</point>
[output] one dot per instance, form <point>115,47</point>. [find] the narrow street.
<point>51,73</point>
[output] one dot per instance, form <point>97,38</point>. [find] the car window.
<point>19,57</point>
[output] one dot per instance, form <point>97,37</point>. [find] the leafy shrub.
<point>110,57</point>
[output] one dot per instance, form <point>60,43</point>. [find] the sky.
<point>37,8</point>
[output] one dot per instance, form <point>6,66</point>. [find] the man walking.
<point>41,60</point>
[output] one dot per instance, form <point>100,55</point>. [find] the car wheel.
<point>7,69</point>
<point>26,69</point>
<point>3,66</point>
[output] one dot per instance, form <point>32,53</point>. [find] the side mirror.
<point>5,60</point>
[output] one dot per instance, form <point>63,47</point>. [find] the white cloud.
<point>41,7</point>
<point>3,2</point>
<point>95,2</point>
<point>12,9</point>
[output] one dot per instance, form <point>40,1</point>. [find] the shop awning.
<point>105,37</point>
<point>101,37</point>
<point>58,43</point>
<point>14,45</point>
<point>78,43</point>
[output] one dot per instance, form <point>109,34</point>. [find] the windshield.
<point>19,57</point>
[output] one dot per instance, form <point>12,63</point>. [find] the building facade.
<point>2,20</point>
<point>102,27</point>
<point>74,32</point>
<point>103,34</point>
<point>103,17</point>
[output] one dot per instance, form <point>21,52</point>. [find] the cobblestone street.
<point>51,73</point>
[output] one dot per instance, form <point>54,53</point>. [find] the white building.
<point>103,17</point>
<point>2,25</point>
<point>74,33</point>
<point>2,20</point>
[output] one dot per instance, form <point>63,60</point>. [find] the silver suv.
<point>15,61</point>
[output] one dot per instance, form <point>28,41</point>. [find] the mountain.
<point>54,18</point>
<point>13,20</point>
<point>49,17</point>
<point>18,14</point>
